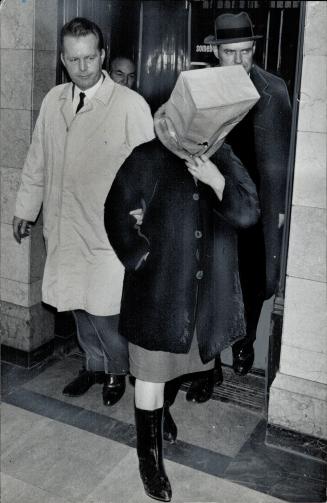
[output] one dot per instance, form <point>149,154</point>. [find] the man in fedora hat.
<point>261,141</point>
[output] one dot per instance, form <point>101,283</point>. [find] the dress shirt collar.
<point>89,93</point>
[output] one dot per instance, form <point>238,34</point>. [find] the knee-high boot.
<point>169,425</point>
<point>149,451</point>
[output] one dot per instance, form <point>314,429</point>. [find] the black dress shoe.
<point>83,382</point>
<point>169,426</point>
<point>113,389</point>
<point>243,356</point>
<point>201,388</point>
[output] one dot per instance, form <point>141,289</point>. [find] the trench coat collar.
<point>103,95</point>
<point>260,84</point>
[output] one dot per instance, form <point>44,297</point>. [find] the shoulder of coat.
<point>273,80</point>
<point>129,97</point>
<point>57,92</point>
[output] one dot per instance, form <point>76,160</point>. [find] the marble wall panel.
<point>14,292</point>
<point>16,80</point>
<point>303,410</point>
<point>315,38</point>
<point>15,258</point>
<point>35,293</point>
<point>310,170</point>
<point>44,75</point>
<point>14,311</point>
<point>307,247</point>
<point>15,135</point>
<point>46,12</point>
<point>9,183</point>
<point>312,113</point>
<point>17,24</point>
<point>38,254</point>
<point>22,294</point>
<point>42,324</point>
<point>15,332</point>
<point>26,328</point>
<point>308,365</point>
<point>305,319</point>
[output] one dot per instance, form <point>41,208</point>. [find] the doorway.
<point>164,37</point>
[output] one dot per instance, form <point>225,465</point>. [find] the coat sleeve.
<point>272,159</point>
<point>30,193</point>
<point>129,191</point>
<point>240,204</point>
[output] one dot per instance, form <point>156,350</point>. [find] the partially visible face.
<point>238,53</point>
<point>83,60</point>
<point>123,72</point>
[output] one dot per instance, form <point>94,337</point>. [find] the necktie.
<point>81,101</point>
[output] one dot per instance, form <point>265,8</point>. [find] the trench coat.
<point>262,142</point>
<point>190,277</point>
<point>70,166</point>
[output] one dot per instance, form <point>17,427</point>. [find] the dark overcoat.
<point>190,277</point>
<point>262,141</point>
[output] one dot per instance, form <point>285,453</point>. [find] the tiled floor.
<point>61,450</point>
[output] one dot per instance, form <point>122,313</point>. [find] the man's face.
<point>123,72</point>
<point>83,60</point>
<point>238,53</point>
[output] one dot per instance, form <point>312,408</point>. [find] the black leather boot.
<point>169,425</point>
<point>243,356</point>
<point>113,389</point>
<point>83,382</point>
<point>149,450</point>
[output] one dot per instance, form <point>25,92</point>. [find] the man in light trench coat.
<point>84,132</point>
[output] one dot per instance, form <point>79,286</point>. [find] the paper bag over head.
<point>203,108</point>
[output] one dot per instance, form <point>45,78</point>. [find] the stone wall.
<point>28,70</point>
<point>298,396</point>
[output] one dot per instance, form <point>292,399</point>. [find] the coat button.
<point>199,275</point>
<point>196,196</point>
<point>198,234</point>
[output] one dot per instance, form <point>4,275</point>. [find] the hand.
<point>138,214</point>
<point>21,228</point>
<point>281,219</point>
<point>207,172</point>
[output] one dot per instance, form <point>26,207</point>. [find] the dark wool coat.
<point>261,141</point>
<point>191,274</point>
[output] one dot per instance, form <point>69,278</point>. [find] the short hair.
<point>80,27</point>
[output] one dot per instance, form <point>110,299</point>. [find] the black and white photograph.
<point>163,251</point>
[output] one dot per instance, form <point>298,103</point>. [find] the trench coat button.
<point>196,196</point>
<point>198,234</point>
<point>199,275</point>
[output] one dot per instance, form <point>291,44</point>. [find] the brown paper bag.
<point>205,105</point>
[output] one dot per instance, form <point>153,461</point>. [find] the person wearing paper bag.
<point>181,302</point>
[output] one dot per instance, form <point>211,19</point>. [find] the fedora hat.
<point>231,28</point>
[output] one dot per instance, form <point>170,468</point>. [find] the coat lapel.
<point>66,106</point>
<point>100,103</point>
<point>102,97</point>
<point>262,87</point>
